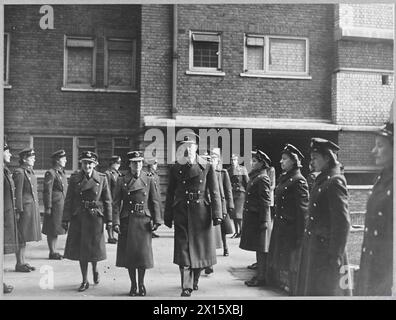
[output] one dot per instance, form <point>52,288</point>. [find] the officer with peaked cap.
<point>54,194</point>
<point>10,217</point>
<point>87,208</point>
<point>192,213</point>
<point>291,209</point>
<point>376,273</point>
<point>137,212</point>
<point>257,223</point>
<point>152,171</point>
<point>27,206</point>
<point>112,175</point>
<point>323,257</point>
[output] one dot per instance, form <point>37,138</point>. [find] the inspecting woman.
<point>87,208</point>
<point>291,208</point>
<point>54,194</point>
<point>137,212</point>
<point>375,277</point>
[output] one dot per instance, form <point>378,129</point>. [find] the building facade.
<point>105,75</point>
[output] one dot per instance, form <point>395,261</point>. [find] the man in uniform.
<point>112,175</point>
<point>188,207</point>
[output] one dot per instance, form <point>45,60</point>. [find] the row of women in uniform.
<point>304,252</point>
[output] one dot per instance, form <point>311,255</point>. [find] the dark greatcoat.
<point>239,179</point>
<point>85,239</point>
<point>134,249</point>
<point>376,263</point>
<point>54,194</point>
<point>27,204</point>
<point>323,257</point>
<point>256,211</point>
<point>112,177</point>
<point>291,210</point>
<point>10,220</point>
<point>194,243</point>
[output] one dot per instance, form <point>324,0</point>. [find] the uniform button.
<point>309,233</point>
<point>380,213</point>
<point>247,201</point>
<point>366,229</point>
<point>248,192</point>
<point>180,172</point>
<point>388,193</point>
<point>80,193</point>
<point>375,233</point>
<point>197,201</point>
<point>282,207</point>
<point>319,190</point>
<point>129,193</point>
<point>186,192</point>
<point>144,193</point>
<point>130,202</point>
<point>328,177</point>
<point>97,184</point>
<point>184,182</point>
<point>371,253</point>
<point>200,181</point>
<point>285,188</point>
<point>199,191</point>
<point>142,202</point>
<point>291,179</point>
<point>281,217</point>
<point>311,218</point>
<point>125,184</point>
<point>364,249</point>
<point>370,192</point>
<point>305,230</point>
<point>188,202</point>
<point>314,204</point>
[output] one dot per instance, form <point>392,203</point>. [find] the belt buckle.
<point>191,196</point>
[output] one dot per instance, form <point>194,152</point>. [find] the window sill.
<point>275,76</point>
<point>7,86</point>
<point>206,73</point>
<point>99,90</point>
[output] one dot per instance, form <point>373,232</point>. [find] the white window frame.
<point>65,63</point>
<point>106,63</point>
<point>7,65</point>
<point>74,158</point>
<point>202,70</point>
<point>266,73</point>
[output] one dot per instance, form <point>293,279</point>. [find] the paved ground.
<point>162,282</point>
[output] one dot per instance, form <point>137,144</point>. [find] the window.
<point>121,148</point>
<point>205,51</point>
<point>276,56</point>
<point>6,57</point>
<point>45,146</point>
<point>86,144</point>
<point>79,62</point>
<point>119,66</point>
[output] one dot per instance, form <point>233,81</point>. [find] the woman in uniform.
<point>137,212</point>
<point>239,179</point>
<point>54,194</point>
<point>323,266</point>
<point>10,218</point>
<point>87,209</point>
<point>375,277</point>
<point>291,208</point>
<point>256,228</point>
<point>27,206</point>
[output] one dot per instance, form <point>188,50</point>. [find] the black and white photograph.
<point>197,151</point>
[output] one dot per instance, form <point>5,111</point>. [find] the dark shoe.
<point>112,240</point>
<point>22,268</point>
<point>154,235</point>
<point>186,293</point>
<point>208,270</point>
<point>30,267</point>
<point>142,290</point>
<point>225,253</point>
<point>234,235</point>
<point>195,287</point>
<point>7,288</point>
<point>238,235</point>
<point>254,282</point>
<point>133,292</point>
<point>252,266</point>
<point>96,277</point>
<point>55,256</point>
<point>84,286</point>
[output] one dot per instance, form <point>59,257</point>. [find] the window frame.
<point>113,145</point>
<point>6,81</point>
<point>65,63</point>
<point>205,70</point>
<point>106,63</point>
<point>266,54</point>
<point>73,157</point>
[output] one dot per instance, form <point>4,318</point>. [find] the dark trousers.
<point>189,276</point>
<point>261,265</point>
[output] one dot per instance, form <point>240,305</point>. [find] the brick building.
<point>106,74</point>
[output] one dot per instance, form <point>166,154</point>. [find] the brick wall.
<point>360,98</point>
<point>355,148</point>
<point>36,102</point>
